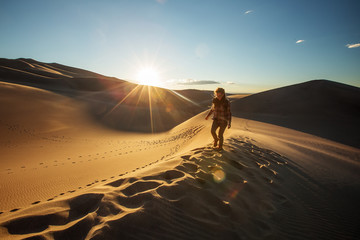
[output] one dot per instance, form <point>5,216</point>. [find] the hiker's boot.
<point>221,141</point>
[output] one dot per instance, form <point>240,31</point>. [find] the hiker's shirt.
<point>221,110</point>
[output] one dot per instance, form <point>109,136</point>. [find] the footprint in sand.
<point>190,167</point>
<point>236,164</point>
<point>140,187</point>
<point>80,206</point>
<point>186,157</point>
<point>116,183</point>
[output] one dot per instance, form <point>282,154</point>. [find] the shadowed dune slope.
<point>203,98</point>
<point>320,107</point>
<point>146,109</point>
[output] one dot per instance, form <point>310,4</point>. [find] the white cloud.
<point>198,82</point>
<point>249,11</point>
<point>300,41</point>
<point>191,82</point>
<point>161,1</point>
<point>353,45</point>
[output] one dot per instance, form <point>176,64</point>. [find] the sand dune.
<point>320,107</point>
<point>115,103</point>
<point>66,175</point>
<point>248,191</point>
<point>43,132</point>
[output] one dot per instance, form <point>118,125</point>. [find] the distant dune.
<point>113,102</point>
<point>321,107</point>
<point>85,156</point>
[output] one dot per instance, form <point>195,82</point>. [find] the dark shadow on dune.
<point>320,107</point>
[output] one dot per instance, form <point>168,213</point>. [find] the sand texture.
<point>67,171</point>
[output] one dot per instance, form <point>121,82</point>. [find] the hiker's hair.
<point>219,89</point>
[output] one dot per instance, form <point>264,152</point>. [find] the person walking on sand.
<point>222,117</point>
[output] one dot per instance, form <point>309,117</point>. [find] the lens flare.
<point>219,175</point>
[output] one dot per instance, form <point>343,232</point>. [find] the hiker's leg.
<point>221,133</point>
<point>214,126</point>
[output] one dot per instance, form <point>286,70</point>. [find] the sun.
<point>148,76</point>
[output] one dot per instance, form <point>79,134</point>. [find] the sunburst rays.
<point>150,110</point>
<point>157,101</point>
<point>121,101</point>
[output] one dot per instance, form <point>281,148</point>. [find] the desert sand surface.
<point>66,173</point>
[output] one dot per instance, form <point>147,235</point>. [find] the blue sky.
<point>241,45</point>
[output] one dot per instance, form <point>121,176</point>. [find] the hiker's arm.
<point>229,116</point>
<point>210,112</point>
